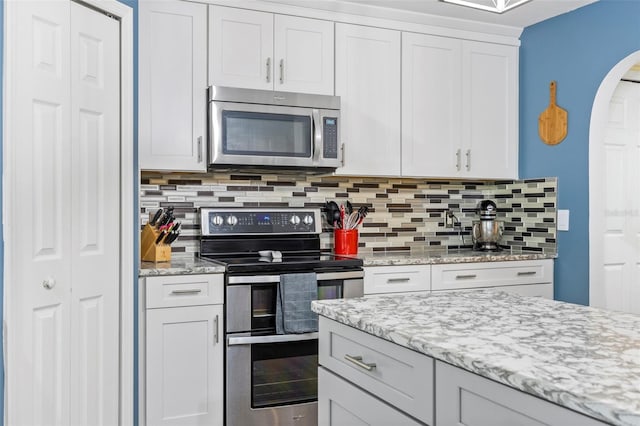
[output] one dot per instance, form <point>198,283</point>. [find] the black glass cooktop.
<point>287,263</point>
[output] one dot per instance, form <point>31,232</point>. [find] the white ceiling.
<point>519,17</point>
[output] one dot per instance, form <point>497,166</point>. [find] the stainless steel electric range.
<point>270,378</point>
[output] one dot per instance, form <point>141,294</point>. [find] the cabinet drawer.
<point>396,279</point>
<point>401,377</point>
<point>184,290</point>
<point>491,274</point>
<point>342,404</point>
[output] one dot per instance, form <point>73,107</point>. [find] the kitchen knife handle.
<point>161,237</point>
<point>199,149</point>
<point>268,70</point>
<point>156,217</point>
<point>468,154</point>
<point>458,153</point>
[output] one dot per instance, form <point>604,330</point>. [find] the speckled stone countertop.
<point>582,358</point>
<point>441,257</point>
<point>180,266</point>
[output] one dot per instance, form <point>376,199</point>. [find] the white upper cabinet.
<point>368,83</point>
<point>173,85</point>
<point>431,98</point>
<point>258,50</point>
<point>459,108</point>
<point>490,110</point>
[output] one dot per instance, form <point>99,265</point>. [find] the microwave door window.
<point>263,134</point>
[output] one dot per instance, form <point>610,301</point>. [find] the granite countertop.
<point>582,358</point>
<point>180,266</point>
<point>442,257</point>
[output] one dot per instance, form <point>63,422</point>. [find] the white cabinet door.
<point>304,55</point>
<point>241,48</point>
<point>342,404</point>
<point>490,110</point>
<point>431,97</point>
<point>368,82</point>
<point>184,368</point>
<point>173,85</point>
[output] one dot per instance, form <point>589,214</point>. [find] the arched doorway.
<point>614,198</point>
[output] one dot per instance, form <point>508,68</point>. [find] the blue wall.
<point>134,5</point>
<point>577,50</point>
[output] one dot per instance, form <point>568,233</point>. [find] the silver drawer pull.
<point>465,277</point>
<point>398,280</point>
<point>357,360</point>
<point>521,273</point>
<point>195,291</point>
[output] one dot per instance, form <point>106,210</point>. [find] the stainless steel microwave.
<point>263,128</point>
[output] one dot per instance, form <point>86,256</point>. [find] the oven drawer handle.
<point>278,338</point>
<point>258,279</point>
<point>357,360</point>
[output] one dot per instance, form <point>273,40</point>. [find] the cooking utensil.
<point>332,211</point>
<point>349,207</point>
<point>552,123</point>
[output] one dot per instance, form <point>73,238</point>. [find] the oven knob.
<point>232,220</point>
<point>217,220</point>
<point>308,220</point>
<point>295,220</point>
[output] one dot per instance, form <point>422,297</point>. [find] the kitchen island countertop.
<point>582,358</point>
<point>180,266</point>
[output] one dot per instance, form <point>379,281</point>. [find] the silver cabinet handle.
<point>199,149</point>
<point>281,71</point>
<point>458,153</point>
<point>49,283</point>
<point>193,291</point>
<point>277,338</point>
<point>398,280</point>
<point>216,334</point>
<point>342,150</point>
<point>357,360</point>
<point>522,273</point>
<point>465,277</point>
<point>468,154</point>
<point>268,70</point>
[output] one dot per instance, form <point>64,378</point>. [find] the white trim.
<point>597,131</point>
<point>352,13</point>
<point>125,14</point>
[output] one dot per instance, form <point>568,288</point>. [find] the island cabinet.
<point>524,277</point>
<point>260,50</point>
<point>464,398</point>
<point>173,86</point>
<point>183,350</point>
<point>459,108</point>
<point>366,380</point>
<point>368,83</point>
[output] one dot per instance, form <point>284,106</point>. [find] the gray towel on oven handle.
<point>293,303</point>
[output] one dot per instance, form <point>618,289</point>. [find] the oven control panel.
<point>219,221</point>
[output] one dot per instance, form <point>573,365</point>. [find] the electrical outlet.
<point>449,219</point>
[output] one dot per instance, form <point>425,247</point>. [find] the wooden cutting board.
<point>552,123</point>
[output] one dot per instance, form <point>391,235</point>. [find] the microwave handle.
<point>317,134</point>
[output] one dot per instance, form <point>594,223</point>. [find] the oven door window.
<point>265,134</point>
<point>330,289</point>
<point>284,373</point>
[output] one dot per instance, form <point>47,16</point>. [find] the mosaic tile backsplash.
<point>404,214</point>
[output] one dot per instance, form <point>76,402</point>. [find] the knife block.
<point>149,250</point>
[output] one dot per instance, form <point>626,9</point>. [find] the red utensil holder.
<point>345,241</point>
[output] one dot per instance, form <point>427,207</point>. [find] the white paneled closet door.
<point>62,304</point>
<point>616,187</point>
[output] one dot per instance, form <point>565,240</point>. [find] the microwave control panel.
<point>330,137</point>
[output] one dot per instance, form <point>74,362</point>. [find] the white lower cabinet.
<point>341,403</point>
<point>464,398</point>
<point>525,277</point>
<point>184,350</point>
<point>397,279</point>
